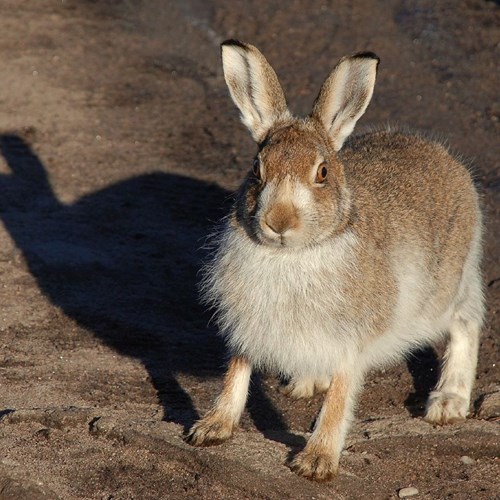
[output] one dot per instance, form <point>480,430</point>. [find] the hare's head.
<point>295,194</point>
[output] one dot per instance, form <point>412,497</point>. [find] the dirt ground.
<point>119,148</point>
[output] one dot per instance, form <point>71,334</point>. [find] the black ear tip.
<point>367,55</point>
<point>233,42</point>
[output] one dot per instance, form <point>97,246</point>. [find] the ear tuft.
<point>233,41</point>
<point>366,55</point>
<point>345,95</point>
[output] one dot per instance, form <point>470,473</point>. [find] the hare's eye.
<point>321,173</point>
<point>256,168</point>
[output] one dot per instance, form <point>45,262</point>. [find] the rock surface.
<point>489,407</point>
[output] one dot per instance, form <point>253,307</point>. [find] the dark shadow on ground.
<point>123,263</point>
<point>268,420</point>
<point>423,366</point>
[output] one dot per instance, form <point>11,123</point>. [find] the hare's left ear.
<point>254,87</point>
<point>345,95</point>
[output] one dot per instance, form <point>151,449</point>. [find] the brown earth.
<point>119,147</point>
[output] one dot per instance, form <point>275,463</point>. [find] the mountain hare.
<point>340,256</point>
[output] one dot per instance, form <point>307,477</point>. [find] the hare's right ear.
<point>254,87</point>
<point>345,95</point>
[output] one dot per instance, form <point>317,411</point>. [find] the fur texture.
<point>321,278</point>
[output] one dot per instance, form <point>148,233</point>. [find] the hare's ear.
<point>254,87</point>
<point>345,95</point>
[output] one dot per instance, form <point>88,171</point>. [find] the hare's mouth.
<point>280,240</point>
<point>273,242</point>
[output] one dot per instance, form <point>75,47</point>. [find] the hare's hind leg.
<point>305,387</point>
<point>449,402</point>
<point>218,424</point>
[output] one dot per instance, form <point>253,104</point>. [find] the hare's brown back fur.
<point>409,192</point>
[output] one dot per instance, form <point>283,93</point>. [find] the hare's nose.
<point>277,227</point>
<point>281,219</point>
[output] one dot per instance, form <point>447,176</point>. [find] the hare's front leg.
<point>320,458</point>
<point>218,424</point>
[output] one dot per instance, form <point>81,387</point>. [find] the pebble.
<point>467,460</point>
<point>9,462</point>
<point>407,492</point>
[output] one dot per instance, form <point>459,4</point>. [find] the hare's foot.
<point>315,465</point>
<point>445,408</point>
<point>449,403</point>
<point>211,430</point>
<point>219,423</point>
<point>319,460</point>
<point>304,388</point>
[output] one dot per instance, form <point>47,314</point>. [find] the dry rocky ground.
<point>119,147</point>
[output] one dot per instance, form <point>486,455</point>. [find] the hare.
<point>340,256</point>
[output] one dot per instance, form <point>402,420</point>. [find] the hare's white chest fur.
<point>288,310</point>
<point>283,309</point>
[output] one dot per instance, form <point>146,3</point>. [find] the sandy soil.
<point>119,147</point>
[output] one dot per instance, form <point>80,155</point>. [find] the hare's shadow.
<point>123,263</point>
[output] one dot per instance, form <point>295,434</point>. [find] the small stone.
<point>407,492</point>
<point>467,460</point>
<point>9,462</point>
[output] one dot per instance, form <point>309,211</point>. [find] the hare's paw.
<point>305,387</point>
<point>314,465</point>
<point>210,431</point>
<point>445,408</point>
<point>321,384</point>
<point>299,389</point>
